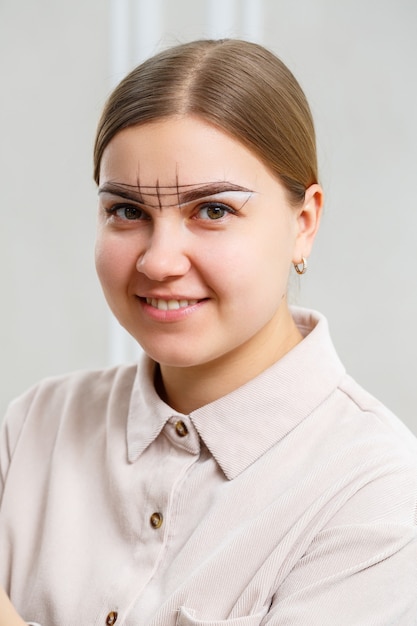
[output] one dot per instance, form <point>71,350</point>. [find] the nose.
<point>165,255</point>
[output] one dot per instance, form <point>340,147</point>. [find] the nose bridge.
<point>165,252</point>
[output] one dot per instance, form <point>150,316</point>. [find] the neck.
<point>186,389</point>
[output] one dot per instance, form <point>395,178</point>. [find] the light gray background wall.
<point>357,63</point>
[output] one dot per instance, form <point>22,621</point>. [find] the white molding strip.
<point>119,20</point>
<point>148,33</point>
<point>252,20</point>
<point>222,18</point>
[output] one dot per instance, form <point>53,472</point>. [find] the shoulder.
<point>372,420</point>
<point>78,386</point>
<point>370,458</point>
<point>76,397</point>
<point>347,410</point>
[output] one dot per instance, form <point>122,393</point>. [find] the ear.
<point>308,221</point>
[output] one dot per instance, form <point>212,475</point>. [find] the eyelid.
<point>222,197</point>
<point>214,203</point>
<point>227,210</point>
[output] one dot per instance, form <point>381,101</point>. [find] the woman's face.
<point>195,242</point>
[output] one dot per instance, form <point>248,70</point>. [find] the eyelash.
<point>141,215</point>
<point>113,212</point>
<point>216,205</point>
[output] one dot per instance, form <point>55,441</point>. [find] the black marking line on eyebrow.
<point>158,193</point>
<point>177,185</point>
<point>138,185</point>
<point>247,199</point>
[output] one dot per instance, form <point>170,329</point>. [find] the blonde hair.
<point>240,87</point>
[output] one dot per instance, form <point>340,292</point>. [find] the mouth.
<point>169,305</point>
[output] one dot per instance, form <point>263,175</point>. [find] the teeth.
<point>169,305</point>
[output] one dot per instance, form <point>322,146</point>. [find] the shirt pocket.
<point>185,618</point>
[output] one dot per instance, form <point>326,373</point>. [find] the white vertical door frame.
<point>148,32</point>
<point>119,19</point>
<point>222,18</point>
<point>252,20</point>
<point>229,18</point>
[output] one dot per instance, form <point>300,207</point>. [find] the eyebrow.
<point>182,193</point>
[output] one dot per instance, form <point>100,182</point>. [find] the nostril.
<point>160,266</point>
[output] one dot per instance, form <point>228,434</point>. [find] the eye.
<point>127,212</point>
<point>214,211</point>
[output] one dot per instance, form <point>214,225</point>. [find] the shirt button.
<point>111,618</point>
<point>181,429</point>
<point>156,520</point>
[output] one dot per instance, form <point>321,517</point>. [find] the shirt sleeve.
<point>11,428</point>
<point>363,575</point>
<point>10,431</point>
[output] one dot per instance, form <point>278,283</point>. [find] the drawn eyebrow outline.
<point>182,193</point>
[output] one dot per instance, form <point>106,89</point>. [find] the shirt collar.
<point>241,426</point>
<point>148,414</point>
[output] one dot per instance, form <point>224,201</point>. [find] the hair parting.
<point>239,87</point>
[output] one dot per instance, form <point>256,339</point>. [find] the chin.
<point>168,355</point>
<point>176,360</point>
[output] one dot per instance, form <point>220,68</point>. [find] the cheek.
<point>101,259</point>
<point>265,264</point>
<point>224,265</point>
<point>239,272</point>
<point>269,249</point>
<point>112,261</point>
<point>278,246</point>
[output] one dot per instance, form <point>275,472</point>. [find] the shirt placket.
<point>161,470</point>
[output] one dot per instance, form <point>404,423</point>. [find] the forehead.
<point>178,151</point>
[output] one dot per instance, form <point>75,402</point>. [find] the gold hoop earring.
<point>301,267</point>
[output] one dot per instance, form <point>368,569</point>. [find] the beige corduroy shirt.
<point>291,501</point>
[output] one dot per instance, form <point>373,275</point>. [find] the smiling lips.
<point>169,305</point>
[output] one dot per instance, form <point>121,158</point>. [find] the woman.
<point>237,475</point>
